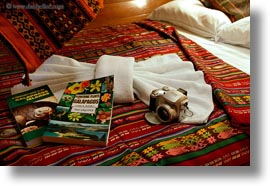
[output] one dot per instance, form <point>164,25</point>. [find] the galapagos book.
<point>32,110</point>
<point>83,115</point>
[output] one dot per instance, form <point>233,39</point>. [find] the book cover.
<point>83,115</point>
<point>32,110</point>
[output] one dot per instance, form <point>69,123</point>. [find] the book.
<point>83,115</point>
<point>32,110</point>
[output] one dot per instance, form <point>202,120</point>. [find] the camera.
<point>168,104</point>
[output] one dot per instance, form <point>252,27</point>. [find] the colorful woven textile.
<point>37,29</point>
<point>231,86</point>
<point>132,140</point>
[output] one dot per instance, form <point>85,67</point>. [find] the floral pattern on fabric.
<point>181,146</point>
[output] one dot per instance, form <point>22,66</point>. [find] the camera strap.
<point>188,112</point>
<point>185,113</point>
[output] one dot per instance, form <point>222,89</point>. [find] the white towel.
<point>144,76</point>
<point>56,72</point>
<point>170,70</point>
<point>122,69</point>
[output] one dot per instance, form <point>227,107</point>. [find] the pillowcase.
<point>191,15</point>
<point>36,33</point>
<point>236,33</point>
<point>235,9</point>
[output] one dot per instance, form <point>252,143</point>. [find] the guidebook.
<point>83,115</point>
<point>32,110</point>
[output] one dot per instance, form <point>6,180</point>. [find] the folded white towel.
<point>170,70</point>
<point>139,78</point>
<point>56,72</point>
<point>122,69</point>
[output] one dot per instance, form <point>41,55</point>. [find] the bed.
<point>164,27</point>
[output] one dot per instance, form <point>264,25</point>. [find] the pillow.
<point>236,33</point>
<point>235,9</point>
<point>191,15</point>
<point>36,33</point>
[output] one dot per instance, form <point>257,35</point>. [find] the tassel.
<point>26,81</point>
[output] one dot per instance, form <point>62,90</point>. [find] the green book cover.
<point>83,115</point>
<point>32,110</point>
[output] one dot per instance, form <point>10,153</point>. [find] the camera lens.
<point>163,114</point>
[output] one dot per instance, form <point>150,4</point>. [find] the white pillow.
<point>191,15</point>
<point>236,33</point>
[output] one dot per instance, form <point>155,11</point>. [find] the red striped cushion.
<point>37,30</point>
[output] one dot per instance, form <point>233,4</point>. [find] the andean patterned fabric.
<point>37,29</point>
<point>224,140</point>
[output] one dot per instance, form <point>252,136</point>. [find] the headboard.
<point>125,11</point>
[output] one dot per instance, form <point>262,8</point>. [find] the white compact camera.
<point>167,104</point>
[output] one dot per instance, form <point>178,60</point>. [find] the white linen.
<point>210,28</point>
<point>236,33</point>
<point>148,75</point>
<point>56,72</point>
<point>191,15</point>
<point>122,69</point>
<point>236,56</point>
<point>170,70</point>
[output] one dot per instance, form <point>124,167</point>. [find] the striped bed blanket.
<point>224,140</point>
